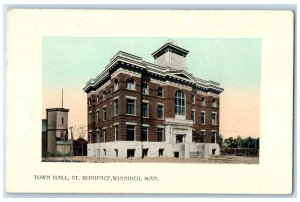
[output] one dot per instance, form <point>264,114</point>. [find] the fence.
<point>240,152</point>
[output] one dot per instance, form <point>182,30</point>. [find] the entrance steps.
<point>195,155</point>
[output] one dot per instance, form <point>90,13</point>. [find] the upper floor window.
<point>116,133</point>
<point>116,84</point>
<point>130,84</point>
<point>160,111</point>
<point>193,115</point>
<point>144,133</point>
<point>214,103</point>
<point>104,135</point>
<point>202,136</point>
<point>203,117</point>
<point>62,120</point>
<point>98,99</point>
<point>90,118</point>
<point>160,92</point>
<point>179,103</point>
<point>130,106</point>
<point>145,89</point>
<point>193,99</point>
<point>104,114</point>
<point>214,118</point>
<point>145,109</point>
<point>89,102</point>
<point>160,134</point>
<point>213,137</point>
<point>98,117</point>
<point>203,101</point>
<point>130,132</point>
<point>116,106</point>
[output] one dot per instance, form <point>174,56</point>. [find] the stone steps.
<point>195,155</point>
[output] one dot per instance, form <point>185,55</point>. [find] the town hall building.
<point>139,109</point>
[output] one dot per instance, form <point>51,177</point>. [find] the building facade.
<point>139,109</point>
<point>57,131</point>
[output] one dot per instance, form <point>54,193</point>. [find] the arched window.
<point>179,103</point>
<point>145,89</point>
<point>202,101</point>
<point>116,84</point>
<point>130,84</point>
<point>214,103</point>
<point>160,92</point>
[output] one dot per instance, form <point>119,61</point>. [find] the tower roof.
<point>170,45</point>
<point>57,109</point>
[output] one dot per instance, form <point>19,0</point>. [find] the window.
<point>130,106</point>
<point>161,137</point>
<point>98,101</point>
<point>116,106</point>
<point>203,117</point>
<point>117,153</point>
<point>98,136</point>
<point>144,133</point>
<point>214,103</point>
<point>179,138</point>
<point>116,84</point>
<point>130,85</point>
<point>145,153</point>
<point>145,109</point>
<point>213,137</point>
<point>214,118</point>
<point>193,99</point>
<point>160,111</point>
<point>104,95</point>
<point>145,89</point>
<point>202,136</point>
<point>117,133</point>
<point>203,102</point>
<point>90,102</point>
<point>98,118</point>
<point>160,92</point>
<point>104,135</point>
<point>179,103</point>
<point>193,115</point>
<point>90,118</point>
<point>104,113</point>
<point>62,120</point>
<point>160,152</point>
<point>130,132</point>
<point>104,150</point>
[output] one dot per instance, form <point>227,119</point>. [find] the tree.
<point>249,142</point>
<point>239,142</point>
<point>231,142</point>
<point>221,140</point>
<point>81,131</point>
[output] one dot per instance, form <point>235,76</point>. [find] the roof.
<point>164,72</point>
<point>170,46</point>
<point>57,109</point>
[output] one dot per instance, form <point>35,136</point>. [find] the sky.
<point>69,62</point>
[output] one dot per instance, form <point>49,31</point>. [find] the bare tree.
<point>81,131</point>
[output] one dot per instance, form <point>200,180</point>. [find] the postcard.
<point>149,101</point>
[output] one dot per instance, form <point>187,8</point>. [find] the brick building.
<point>138,109</point>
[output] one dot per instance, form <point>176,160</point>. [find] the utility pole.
<point>72,145</point>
